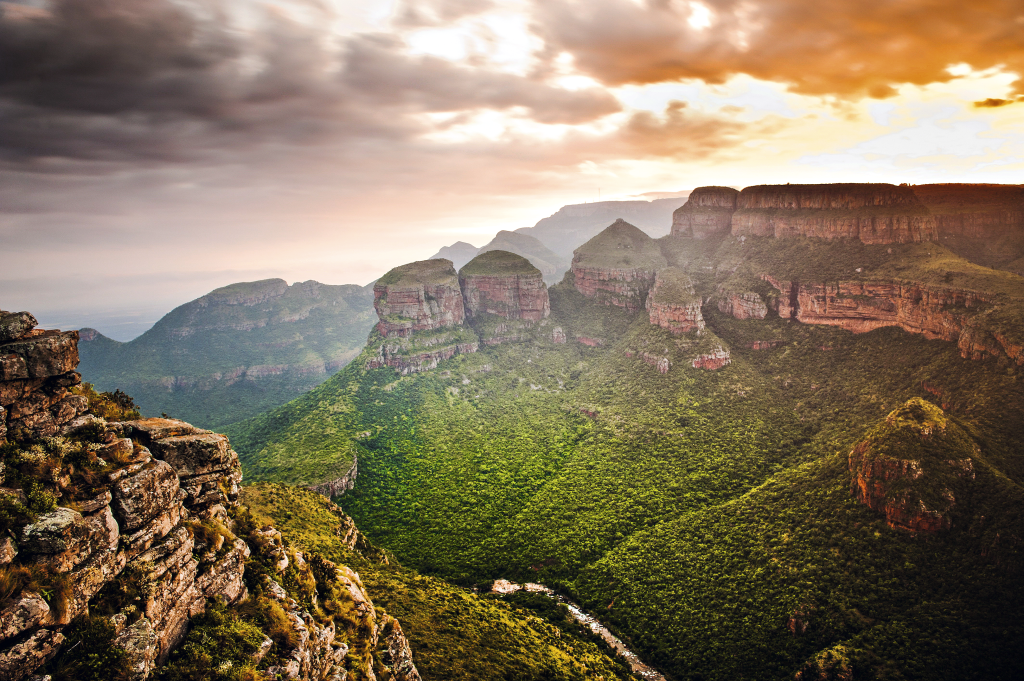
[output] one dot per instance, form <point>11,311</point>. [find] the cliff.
<point>936,312</point>
<point>419,296</point>
<point>673,304</point>
<point>121,533</point>
<point>236,351</point>
<point>872,213</point>
<point>707,212</point>
<point>505,296</point>
<point>618,266</point>
<point>913,466</point>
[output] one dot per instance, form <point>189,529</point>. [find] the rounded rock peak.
<point>437,271</point>
<point>621,246</point>
<point>713,197</point>
<point>498,263</point>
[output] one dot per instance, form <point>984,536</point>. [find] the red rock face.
<point>624,288</point>
<point>974,211</point>
<point>707,211</point>
<point>935,313</point>
<point>410,363</point>
<point>518,296</point>
<point>742,305</point>
<point>422,307</point>
<point>712,361</point>
<point>872,480</point>
<point>873,213</point>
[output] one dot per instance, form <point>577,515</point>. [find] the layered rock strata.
<point>741,304</point>
<point>673,304</point>
<point>417,354</point>
<point>708,211</point>
<point>506,285</point>
<point>974,211</point>
<point>37,368</point>
<point>419,296</point>
<point>147,510</point>
<point>618,266</point>
<point>872,213</point>
<point>934,312</point>
<point>910,467</point>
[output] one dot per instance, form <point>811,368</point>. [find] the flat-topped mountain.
<point>236,351</point>
<point>504,284</point>
<point>419,296</point>
<point>707,211</point>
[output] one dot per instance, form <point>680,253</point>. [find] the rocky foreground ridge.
<point>127,530</point>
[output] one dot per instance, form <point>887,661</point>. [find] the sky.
<point>152,150</point>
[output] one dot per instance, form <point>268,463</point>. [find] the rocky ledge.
<point>133,528</point>
<point>912,467</point>
<point>707,211</point>
<point>419,296</point>
<point>618,266</point>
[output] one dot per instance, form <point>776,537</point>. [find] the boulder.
<point>14,325</point>
<point>40,355</point>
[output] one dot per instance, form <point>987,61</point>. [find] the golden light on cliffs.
<point>333,139</point>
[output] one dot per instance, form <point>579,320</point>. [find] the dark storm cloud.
<point>159,81</point>
<point>841,47</point>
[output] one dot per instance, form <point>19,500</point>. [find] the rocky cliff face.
<point>419,296</point>
<point>708,211</point>
<point>618,266</point>
<point>934,312</point>
<point>975,211</point>
<point>873,213</point>
<point>741,304</point>
<point>673,304</point>
<point>504,284</point>
<point>912,466</point>
<point>97,512</point>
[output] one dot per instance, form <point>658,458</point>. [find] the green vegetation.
<point>674,286</point>
<point>454,633</point>
<point>498,263</point>
<point>421,272</point>
<point>236,351</point>
<point>705,515</point>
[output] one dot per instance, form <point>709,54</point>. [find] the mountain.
<point>129,551</point>
<point>236,351</point>
<point>551,265</point>
<point>574,224</point>
<point>783,445</point>
<point>459,253</point>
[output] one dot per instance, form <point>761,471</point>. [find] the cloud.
<point>993,103</point>
<point>848,48</point>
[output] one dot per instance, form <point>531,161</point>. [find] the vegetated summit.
<point>236,351</point>
<point>808,468</point>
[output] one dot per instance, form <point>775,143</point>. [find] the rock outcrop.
<point>504,284</point>
<point>934,312</point>
<point>673,304</point>
<point>419,296</point>
<point>911,467</point>
<point>974,211</point>
<point>147,509</point>
<point>707,212</point>
<point>741,304</point>
<point>618,266</point>
<point>873,213</point>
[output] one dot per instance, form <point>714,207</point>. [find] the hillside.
<point>689,467</point>
<point>235,352</point>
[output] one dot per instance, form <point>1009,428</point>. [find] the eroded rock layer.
<point>419,296</point>
<point>873,213</point>
<point>934,312</point>
<point>708,211</point>
<point>673,304</point>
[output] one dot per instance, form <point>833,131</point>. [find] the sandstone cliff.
<point>933,311</point>
<point>707,212</point>
<point>913,466</point>
<point>872,213</point>
<point>673,304</point>
<point>618,266</point>
<point>419,296</point>
<point>505,296</point>
<point>132,528</point>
